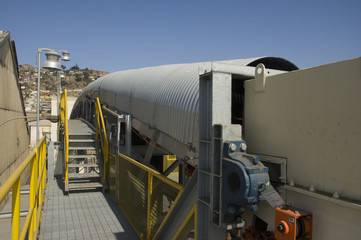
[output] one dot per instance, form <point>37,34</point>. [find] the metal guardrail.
<point>145,196</point>
<point>37,161</point>
<point>63,124</point>
<point>102,134</point>
<point>188,226</point>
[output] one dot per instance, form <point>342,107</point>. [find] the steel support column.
<point>214,108</point>
<point>128,135</point>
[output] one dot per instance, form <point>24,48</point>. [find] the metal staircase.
<point>84,164</point>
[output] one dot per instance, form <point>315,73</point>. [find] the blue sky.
<point>119,35</point>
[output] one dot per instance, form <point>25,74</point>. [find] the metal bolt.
<point>243,146</point>
<point>232,147</point>
<point>231,210</point>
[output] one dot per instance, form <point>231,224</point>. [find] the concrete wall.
<point>44,130</point>
<point>14,137</point>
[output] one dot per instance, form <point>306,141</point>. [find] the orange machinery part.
<point>292,224</point>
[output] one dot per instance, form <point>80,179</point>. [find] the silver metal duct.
<point>165,98</point>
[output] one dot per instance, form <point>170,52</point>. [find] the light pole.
<point>61,74</point>
<point>52,63</point>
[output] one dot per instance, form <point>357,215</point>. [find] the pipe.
<point>9,214</point>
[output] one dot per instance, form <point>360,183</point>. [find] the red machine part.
<point>292,224</point>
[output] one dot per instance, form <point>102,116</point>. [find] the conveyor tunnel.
<point>162,105</point>
<point>165,99</point>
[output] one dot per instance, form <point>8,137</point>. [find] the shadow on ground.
<point>121,218</point>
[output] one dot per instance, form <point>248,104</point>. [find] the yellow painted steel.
<point>188,228</point>
<point>15,222</point>
<point>145,196</point>
<point>26,225</point>
<point>32,196</point>
<point>102,134</point>
<point>195,220</point>
<point>154,172</point>
<point>37,161</point>
<point>149,219</point>
<point>168,160</point>
<point>63,110</point>
<point>111,174</point>
<point>40,183</point>
<point>166,217</point>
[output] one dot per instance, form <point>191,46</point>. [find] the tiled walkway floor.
<point>81,215</point>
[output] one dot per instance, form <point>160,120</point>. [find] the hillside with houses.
<point>75,80</point>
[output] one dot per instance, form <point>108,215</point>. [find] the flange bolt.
<point>232,147</point>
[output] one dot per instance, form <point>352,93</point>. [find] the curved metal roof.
<point>164,97</point>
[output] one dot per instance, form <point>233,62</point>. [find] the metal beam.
<point>326,197</point>
<point>215,91</point>
<point>151,147</point>
<point>181,210</point>
<point>244,71</point>
<point>128,135</point>
<point>171,168</point>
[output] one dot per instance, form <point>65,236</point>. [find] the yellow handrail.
<point>151,177</point>
<point>152,227</point>
<point>192,213</point>
<point>37,161</point>
<point>63,110</point>
<point>103,137</point>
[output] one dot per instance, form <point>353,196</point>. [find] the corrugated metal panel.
<point>177,104</point>
<point>164,97</point>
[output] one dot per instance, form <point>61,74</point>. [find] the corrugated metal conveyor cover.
<point>164,97</point>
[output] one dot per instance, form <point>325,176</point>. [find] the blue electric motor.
<point>244,176</point>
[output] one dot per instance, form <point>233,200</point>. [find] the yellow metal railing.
<point>63,122</point>
<point>37,161</point>
<point>188,229</point>
<point>145,196</point>
<point>102,134</point>
<point>111,174</point>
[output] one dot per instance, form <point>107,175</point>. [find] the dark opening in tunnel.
<point>275,63</point>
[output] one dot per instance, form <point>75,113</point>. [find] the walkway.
<point>81,215</point>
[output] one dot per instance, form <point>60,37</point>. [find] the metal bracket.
<point>324,196</point>
<point>260,78</point>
